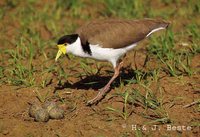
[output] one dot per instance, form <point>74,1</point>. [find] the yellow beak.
<point>61,50</point>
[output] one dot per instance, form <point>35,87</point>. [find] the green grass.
<point>30,45</point>
<point>125,112</point>
<point>125,8</point>
<point>149,102</point>
<point>42,97</point>
<point>87,69</point>
<point>176,62</point>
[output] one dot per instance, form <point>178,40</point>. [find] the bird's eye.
<point>65,44</point>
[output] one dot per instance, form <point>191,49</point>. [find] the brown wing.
<point>117,33</point>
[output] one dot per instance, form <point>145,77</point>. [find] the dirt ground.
<point>81,120</point>
<point>89,121</point>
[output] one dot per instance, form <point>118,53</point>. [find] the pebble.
<point>5,132</point>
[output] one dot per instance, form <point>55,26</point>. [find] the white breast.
<point>99,53</point>
<point>109,54</point>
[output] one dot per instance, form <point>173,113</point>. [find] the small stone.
<point>5,132</point>
<point>41,115</point>
<point>33,109</point>
<point>56,113</point>
<point>49,105</point>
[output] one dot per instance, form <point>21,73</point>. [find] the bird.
<point>108,40</point>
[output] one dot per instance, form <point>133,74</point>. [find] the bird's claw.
<point>99,96</point>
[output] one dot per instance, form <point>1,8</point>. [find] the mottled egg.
<point>49,105</point>
<point>56,113</point>
<point>33,108</point>
<point>41,115</point>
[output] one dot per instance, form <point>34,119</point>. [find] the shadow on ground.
<point>96,82</point>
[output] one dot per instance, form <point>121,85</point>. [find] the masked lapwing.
<point>108,40</point>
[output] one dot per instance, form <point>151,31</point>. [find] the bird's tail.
<point>155,25</point>
<point>163,23</point>
<point>158,23</point>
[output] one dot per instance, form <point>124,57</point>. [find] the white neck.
<point>76,49</point>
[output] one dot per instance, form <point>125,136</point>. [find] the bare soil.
<point>82,120</point>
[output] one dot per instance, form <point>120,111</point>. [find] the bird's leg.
<point>106,88</point>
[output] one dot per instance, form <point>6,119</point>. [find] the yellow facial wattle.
<point>61,50</point>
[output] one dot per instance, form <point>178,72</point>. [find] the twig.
<point>191,104</point>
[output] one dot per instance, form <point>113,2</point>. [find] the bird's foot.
<point>99,96</point>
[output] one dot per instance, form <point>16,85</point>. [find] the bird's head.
<point>64,42</point>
